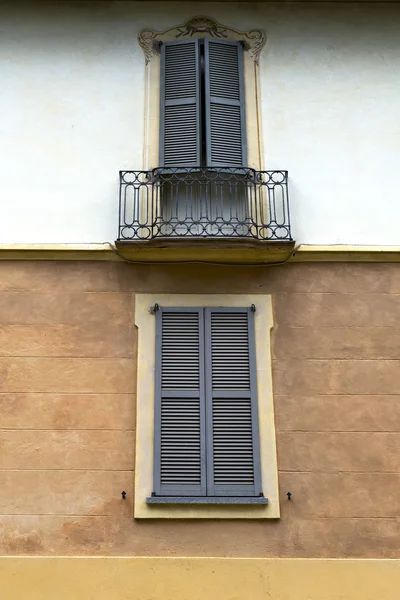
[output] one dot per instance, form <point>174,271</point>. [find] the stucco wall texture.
<point>72,111</point>
<point>67,410</point>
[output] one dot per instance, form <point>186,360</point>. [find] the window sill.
<point>221,500</point>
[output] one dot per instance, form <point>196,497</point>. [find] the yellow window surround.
<point>145,322</point>
<point>201,27</point>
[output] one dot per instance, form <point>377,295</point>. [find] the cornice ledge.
<point>346,253</point>
<point>199,26</point>
<point>108,252</point>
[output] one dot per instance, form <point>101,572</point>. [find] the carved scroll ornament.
<point>200,26</point>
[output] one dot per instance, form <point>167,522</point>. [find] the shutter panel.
<point>180,403</point>
<point>233,454</point>
<point>180,104</point>
<point>224,104</point>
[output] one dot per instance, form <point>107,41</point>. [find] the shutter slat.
<point>231,396</point>
<point>180,104</point>
<point>180,347</point>
<point>225,104</point>
<point>231,366</point>
<point>180,419</point>
<point>235,465</point>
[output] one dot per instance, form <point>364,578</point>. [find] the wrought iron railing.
<point>204,202</point>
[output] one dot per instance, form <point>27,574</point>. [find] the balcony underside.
<point>208,250</point>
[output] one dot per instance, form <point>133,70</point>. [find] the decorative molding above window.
<point>207,30</point>
<point>149,39</point>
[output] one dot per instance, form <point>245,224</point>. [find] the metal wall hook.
<point>154,309</point>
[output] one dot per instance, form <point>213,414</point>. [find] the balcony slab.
<point>206,250</point>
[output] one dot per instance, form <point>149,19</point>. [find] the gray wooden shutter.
<point>180,141</point>
<point>180,403</point>
<point>224,104</point>
<point>233,453</point>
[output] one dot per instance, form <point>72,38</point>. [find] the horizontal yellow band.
<point>235,254</point>
<point>133,578</point>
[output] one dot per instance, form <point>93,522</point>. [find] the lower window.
<point>206,435</point>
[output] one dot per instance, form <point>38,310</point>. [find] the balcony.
<point>206,214</point>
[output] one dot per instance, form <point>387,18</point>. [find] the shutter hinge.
<point>153,494</point>
<point>154,309</point>
<point>253,308</point>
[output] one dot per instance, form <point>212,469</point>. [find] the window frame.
<point>248,508</point>
<point>206,396</point>
<point>164,104</point>
<point>210,100</point>
<point>157,486</point>
<point>207,139</point>
<point>254,41</point>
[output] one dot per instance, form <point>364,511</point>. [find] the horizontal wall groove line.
<point>63,429</point>
<point>65,292</point>
<point>64,515</point>
<point>338,395</point>
<point>68,393</point>
<point>317,327</point>
<point>313,431</point>
<point>63,469</point>
<point>305,359</point>
<point>372,518</point>
<point>329,360</point>
<point>119,516</point>
<point>71,393</point>
<point>70,357</point>
<point>66,357</point>
<point>340,472</point>
<point>324,293</point>
<point>346,432</point>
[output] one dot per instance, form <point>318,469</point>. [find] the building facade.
<point>200,295</point>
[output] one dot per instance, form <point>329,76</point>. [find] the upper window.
<point>206,410</point>
<point>202,118</point>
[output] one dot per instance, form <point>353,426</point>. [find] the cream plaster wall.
<point>72,113</point>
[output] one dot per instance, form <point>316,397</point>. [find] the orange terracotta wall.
<point>67,410</point>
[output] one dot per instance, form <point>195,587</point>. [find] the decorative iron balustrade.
<point>203,202</point>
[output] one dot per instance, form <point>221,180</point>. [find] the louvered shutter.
<point>233,454</point>
<point>180,403</point>
<point>224,104</point>
<point>180,140</point>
